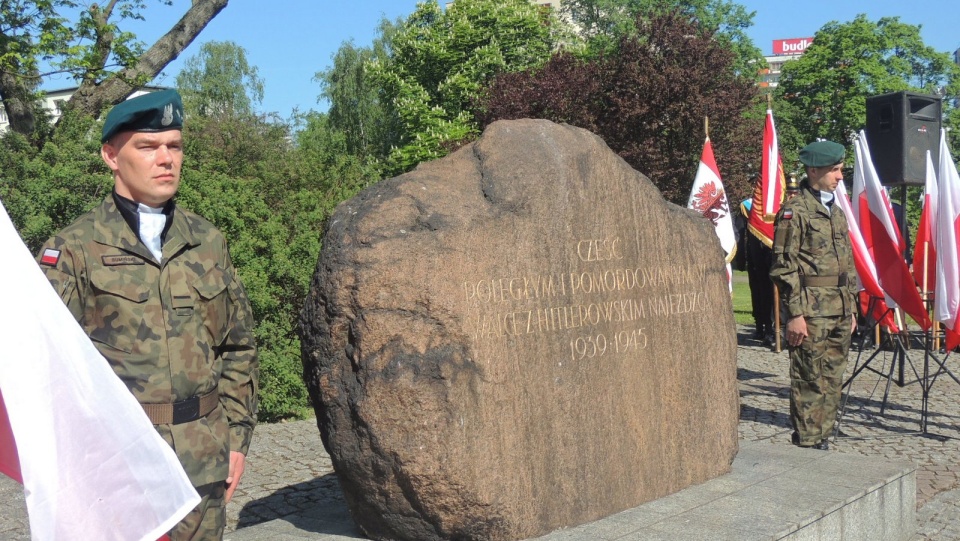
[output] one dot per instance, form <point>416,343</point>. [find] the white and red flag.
<point>767,199</point>
<point>91,464</point>
<point>866,268</point>
<point>882,236</point>
<point>710,199</point>
<point>946,302</point>
<point>9,463</point>
<point>924,249</point>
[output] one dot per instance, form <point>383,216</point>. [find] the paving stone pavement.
<point>289,473</point>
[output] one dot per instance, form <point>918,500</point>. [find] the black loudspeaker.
<point>901,128</point>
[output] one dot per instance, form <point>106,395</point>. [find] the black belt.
<point>183,411</point>
<point>823,281</point>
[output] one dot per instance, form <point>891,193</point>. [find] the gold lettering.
<point>594,250</point>
<point>580,250</point>
<point>593,314</point>
<point>610,280</point>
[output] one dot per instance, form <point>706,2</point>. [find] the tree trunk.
<point>92,97</point>
<point>17,102</point>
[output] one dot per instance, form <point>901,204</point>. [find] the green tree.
<point>823,93</point>
<point>357,109</point>
<point>604,23</point>
<point>647,100</point>
<point>45,189</point>
<point>88,44</point>
<point>20,53</point>
<point>442,60</point>
<point>270,198</point>
<point>219,81</point>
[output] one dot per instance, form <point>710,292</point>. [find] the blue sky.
<point>290,40</point>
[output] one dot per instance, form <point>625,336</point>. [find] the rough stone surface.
<point>510,340</point>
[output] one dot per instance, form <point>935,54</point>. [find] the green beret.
<point>821,154</point>
<point>153,112</point>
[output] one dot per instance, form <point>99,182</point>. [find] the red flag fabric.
<point>883,238</point>
<point>924,249</point>
<point>9,462</point>
<point>767,200</point>
<point>92,465</point>
<point>946,305</point>
<point>872,299</point>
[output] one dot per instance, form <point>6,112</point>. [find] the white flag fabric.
<point>93,467</point>
<point>771,169</point>
<point>947,297</point>
<point>882,236</point>
<point>768,197</point>
<point>708,197</point>
<point>866,268</point>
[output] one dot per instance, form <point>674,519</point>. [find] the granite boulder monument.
<point>519,337</point>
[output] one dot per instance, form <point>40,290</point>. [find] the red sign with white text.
<point>791,46</point>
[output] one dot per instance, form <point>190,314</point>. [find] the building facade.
<point>55,100</point>
<point>784,50</point>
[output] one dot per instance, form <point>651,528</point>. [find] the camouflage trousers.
<point>207,520</point>
<point>816,377</point>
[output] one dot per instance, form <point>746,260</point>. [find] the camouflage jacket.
<point>170,331</point>
<point>809,241</point>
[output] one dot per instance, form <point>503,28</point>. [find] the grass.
<point>742,305</point>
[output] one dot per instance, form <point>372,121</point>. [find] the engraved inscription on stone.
<point>520,337</point>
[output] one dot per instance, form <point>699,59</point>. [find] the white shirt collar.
<point>152,222</point>
<point>826,199</point>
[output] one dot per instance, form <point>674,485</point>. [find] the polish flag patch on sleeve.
<point>50,257</point>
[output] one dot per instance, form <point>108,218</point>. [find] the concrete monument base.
<point>774,491</point>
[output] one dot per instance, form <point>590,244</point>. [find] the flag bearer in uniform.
<point>153,286</point>
<point>814,270</point>
<point>759,258</point>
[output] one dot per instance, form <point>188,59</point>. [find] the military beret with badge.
<point>822,154</point>
<point>154,112</point>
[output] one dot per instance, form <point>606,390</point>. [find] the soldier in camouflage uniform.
<point>813,267</point>
<point>153,286</point>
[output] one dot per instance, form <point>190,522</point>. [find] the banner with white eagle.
<point>710,199</point>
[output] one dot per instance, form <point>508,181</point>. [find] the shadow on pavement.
<point>315,506</point>
<point>757,415</point>
<point>745,374</point>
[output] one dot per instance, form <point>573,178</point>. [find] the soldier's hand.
<point>237,461</point>
<point>853,328</point>
<point>796,331</point>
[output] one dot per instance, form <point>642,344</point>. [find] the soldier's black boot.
<point>823,445</point>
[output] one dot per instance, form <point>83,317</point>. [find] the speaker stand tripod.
<point>892,343</point>
<point>926,383</point>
